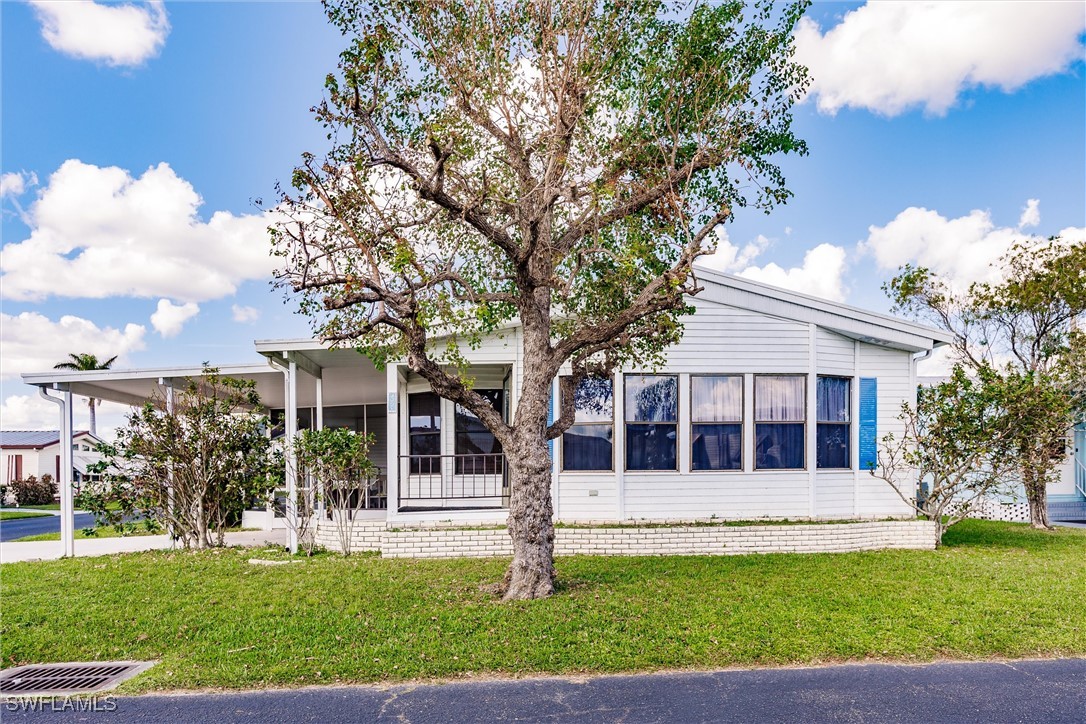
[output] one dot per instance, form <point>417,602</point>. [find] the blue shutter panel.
<point>869,429</point>
<point>550,421</point>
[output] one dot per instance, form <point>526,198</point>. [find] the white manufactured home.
<point>769,408</point>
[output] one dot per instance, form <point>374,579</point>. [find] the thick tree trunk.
<point>1037,496</point>
<point>93,421</point>
<point>531,524</point>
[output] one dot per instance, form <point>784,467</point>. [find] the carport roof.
<point>136,386</point>
<point>349,378</point>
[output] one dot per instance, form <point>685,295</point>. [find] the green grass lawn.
<point>17,514</point>
<point>214,620</point>
<point>46,506</point>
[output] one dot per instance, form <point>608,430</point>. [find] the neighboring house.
<point>37,452</point>
<point>1067,498</point>
<point>769,408</point>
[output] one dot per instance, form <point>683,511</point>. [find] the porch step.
<point>1067,509</point>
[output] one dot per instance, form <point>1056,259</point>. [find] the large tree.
<point>82,362</point>
<point>1020,337</point>
<point>555,164</point>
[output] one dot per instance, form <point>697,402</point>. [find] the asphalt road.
<point>14,529</point>
<point>1021,691</point>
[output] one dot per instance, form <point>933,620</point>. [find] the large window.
<point>424,432</point>
<point>779,417</point>
<point>716,417</point>
<point>652,417</point>
<point>477,449</point>
<point>834,430</point>
<point>588,443</point>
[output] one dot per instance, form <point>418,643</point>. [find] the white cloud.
<point>169,318</point>
<point>34,343</point>
<point>117,35</point>
<point>31,412</point>
<point>15,184</point>
<point>100,232</point>
<point>821,275</point>
<point>245,314</point>
<point>961,250</point>
<point>889,57</point>
<point>1031,214</point>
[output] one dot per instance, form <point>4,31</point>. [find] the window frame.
<point>561,447</point>
<point>846,425</point>
<point>414,459</point>
<point>755,421</point>
<point>460,459</point>
<point>742,422</point>
<point>626,423</point>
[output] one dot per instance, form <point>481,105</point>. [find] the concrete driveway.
<point>1018,691</point>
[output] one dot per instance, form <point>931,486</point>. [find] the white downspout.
<point>67,504</point>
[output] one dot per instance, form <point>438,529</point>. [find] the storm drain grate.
<point>60,679</point>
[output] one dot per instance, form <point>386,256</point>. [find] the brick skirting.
<point>466,542</point>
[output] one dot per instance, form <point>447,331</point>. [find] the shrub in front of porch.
<point>336,463</point>
<point>188,464</point>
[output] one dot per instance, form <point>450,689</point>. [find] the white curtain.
<point>716,398</point>
<point>833,399</point>
<point>779,399</point>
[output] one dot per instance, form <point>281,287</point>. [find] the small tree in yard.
<point>956,442</point>
<point>337,461</point>
<point>1019,337</point>
<point>191,470</point>
<point>561,164</point>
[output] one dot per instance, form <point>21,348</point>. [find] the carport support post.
<point>168,384</point>
<point>67,504</point>
<point>318,424</point>
<point>291,432</point>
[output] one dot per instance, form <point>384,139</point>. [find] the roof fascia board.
<point>51,378</point>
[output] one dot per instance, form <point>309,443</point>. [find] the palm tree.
<point>83,362</point>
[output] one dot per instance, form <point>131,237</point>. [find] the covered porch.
<point>430,455</point>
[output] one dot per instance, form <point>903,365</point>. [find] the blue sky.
<point>925,146</point>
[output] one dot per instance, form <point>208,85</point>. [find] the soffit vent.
<point>63,679</point>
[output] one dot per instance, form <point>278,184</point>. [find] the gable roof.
<point>733,291</point>
<point>853,322</point>
<point>33,439</point>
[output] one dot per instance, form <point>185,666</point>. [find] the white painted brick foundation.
<point>466,542</point>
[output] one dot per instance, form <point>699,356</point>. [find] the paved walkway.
<point>49,550</point>
<point>1019,691</point>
